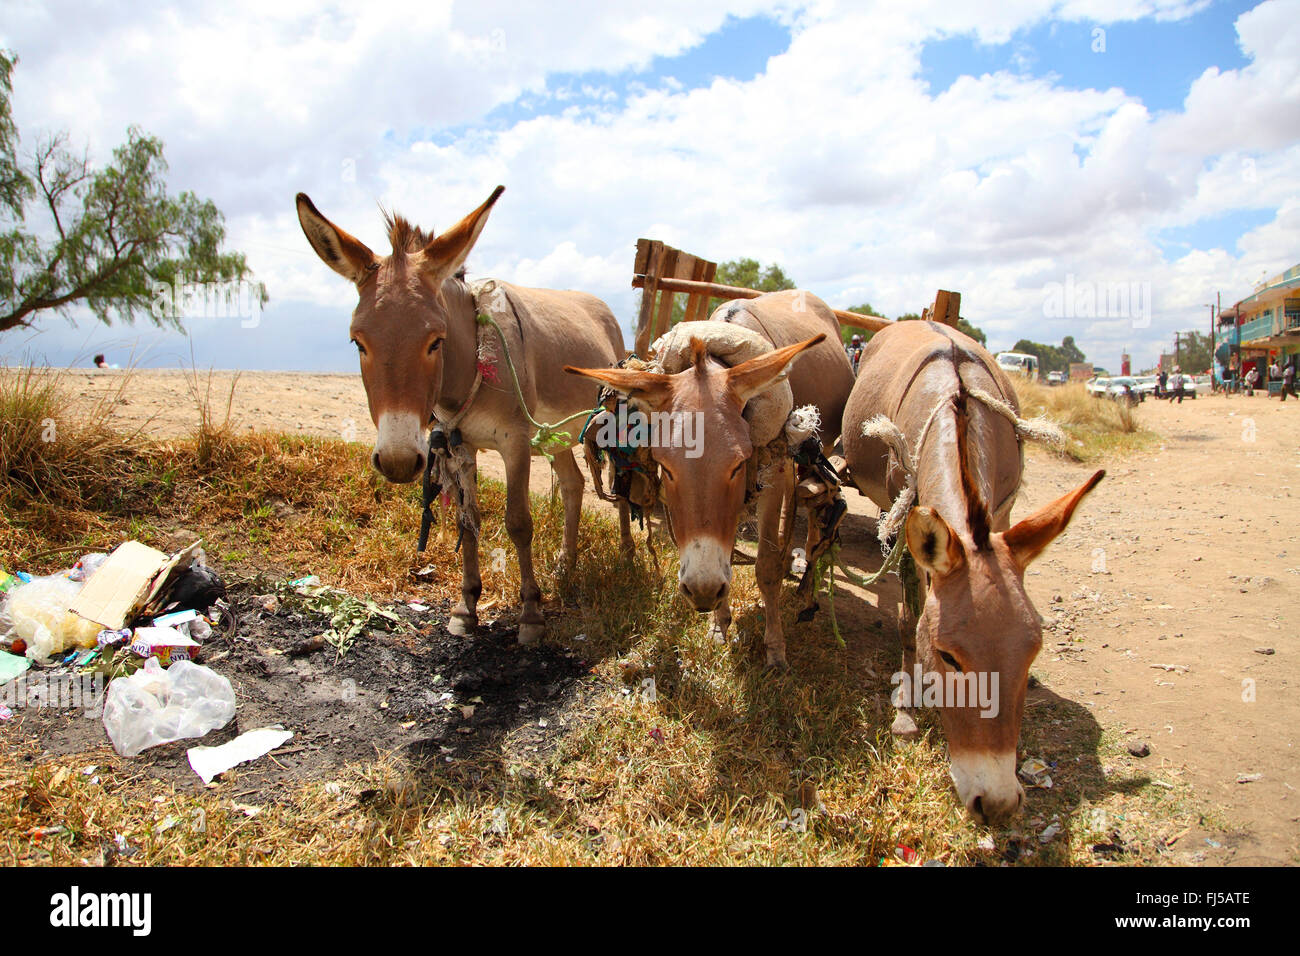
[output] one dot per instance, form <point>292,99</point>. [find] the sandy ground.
<point>1169,604</point>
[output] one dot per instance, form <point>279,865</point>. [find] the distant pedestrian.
<point>1288,381</point>
<point>1251,380</point>
<point>1176,386</point>
<point>854,352</point>
<point>1162,384</point>
<point>101,362</point>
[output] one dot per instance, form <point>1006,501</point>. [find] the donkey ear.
<point>651,388</point>
<point>446,253</point>
<point>757,375</point>
<point>344,253</point>
<point>933,544</point>
<point>1028,538</point>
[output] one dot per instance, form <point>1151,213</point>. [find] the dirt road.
<point>1170,603</point>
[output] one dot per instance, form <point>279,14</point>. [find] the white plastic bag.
<point>155,706</point>
<point>38,612</point>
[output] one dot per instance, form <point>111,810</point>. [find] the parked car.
<point>1055,378</point>
<point>1147,385</point>
<point>1125,388</point>
<point>1120,388</point>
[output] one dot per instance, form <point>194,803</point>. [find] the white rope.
<point>1040,429</point>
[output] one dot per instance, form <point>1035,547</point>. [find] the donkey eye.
<point>735,471</point>
<point>437,344</point>
<point>950,661</point>
<point>360,348</point>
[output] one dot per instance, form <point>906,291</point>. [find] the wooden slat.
<point>697,303</point>
<point>642,256</point>
<point>946,308</point>
<point>685,267</point>
<point>648,255</point>
<point>667,269</point>
<point>870,323</point>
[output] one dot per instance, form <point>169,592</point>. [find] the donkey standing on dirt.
<point>941,389</point>
<point>416,331</point>
<point>705,494</point>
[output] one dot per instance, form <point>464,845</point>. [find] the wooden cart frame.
<point>662,272</point>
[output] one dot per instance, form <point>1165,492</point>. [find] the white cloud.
<point>836,160</point>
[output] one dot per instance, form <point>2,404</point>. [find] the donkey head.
<point>400,322</point>
<point>979,630</point>
<point>703,484</point>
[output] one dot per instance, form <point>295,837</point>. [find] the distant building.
<point>1264,325</point>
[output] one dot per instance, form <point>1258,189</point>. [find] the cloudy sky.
<point>1030,154</point>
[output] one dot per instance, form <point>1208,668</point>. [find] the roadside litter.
<point>209,762</point>
<point>11,667</point>
<point>156,706</point>
<point>135,616</point>
<point>1034,772</point>
<point>107,594</point>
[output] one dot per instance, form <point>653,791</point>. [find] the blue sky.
<point>1153,60</point>
<point>875,154</point>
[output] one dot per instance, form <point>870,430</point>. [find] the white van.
<point>1018,363</point>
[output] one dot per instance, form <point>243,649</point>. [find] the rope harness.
<point>889,529</point>
<point>450,463</point>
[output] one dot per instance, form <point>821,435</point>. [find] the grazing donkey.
<point>943,391</point>
<point>422,351</point>
<point>706,493</point>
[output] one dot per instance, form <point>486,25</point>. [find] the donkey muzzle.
<point>704,573</point>
<point>399,453</point>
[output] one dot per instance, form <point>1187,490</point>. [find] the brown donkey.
<point>419,342</point>
<point>977,630</point>
<point>705,493</point>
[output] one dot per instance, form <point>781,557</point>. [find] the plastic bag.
<point>87,565</point>
<point>197,589</point>
<point>155,706</point>
<point>38,613</point>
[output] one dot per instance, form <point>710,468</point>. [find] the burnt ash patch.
<point>400,692</point>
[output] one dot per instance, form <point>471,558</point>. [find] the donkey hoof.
<point>904,727</point>
<point>776,663</point>
<point>531,633</point>
<point>461,626</point>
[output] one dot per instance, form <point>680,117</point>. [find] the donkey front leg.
<point>519,525</point>
<point>626,546</point>
<point>904,725</point>
<point>571,488</point>
<point>771,565</point>
<point>464,616</point>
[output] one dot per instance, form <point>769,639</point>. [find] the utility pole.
<point>1178,356</point>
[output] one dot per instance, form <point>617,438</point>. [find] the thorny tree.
<point>103,238</point>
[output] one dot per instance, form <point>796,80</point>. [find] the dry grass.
<point>52,448</point>
<point>727,764</point>
<point>1095,427</point>
<point>213,435</point>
